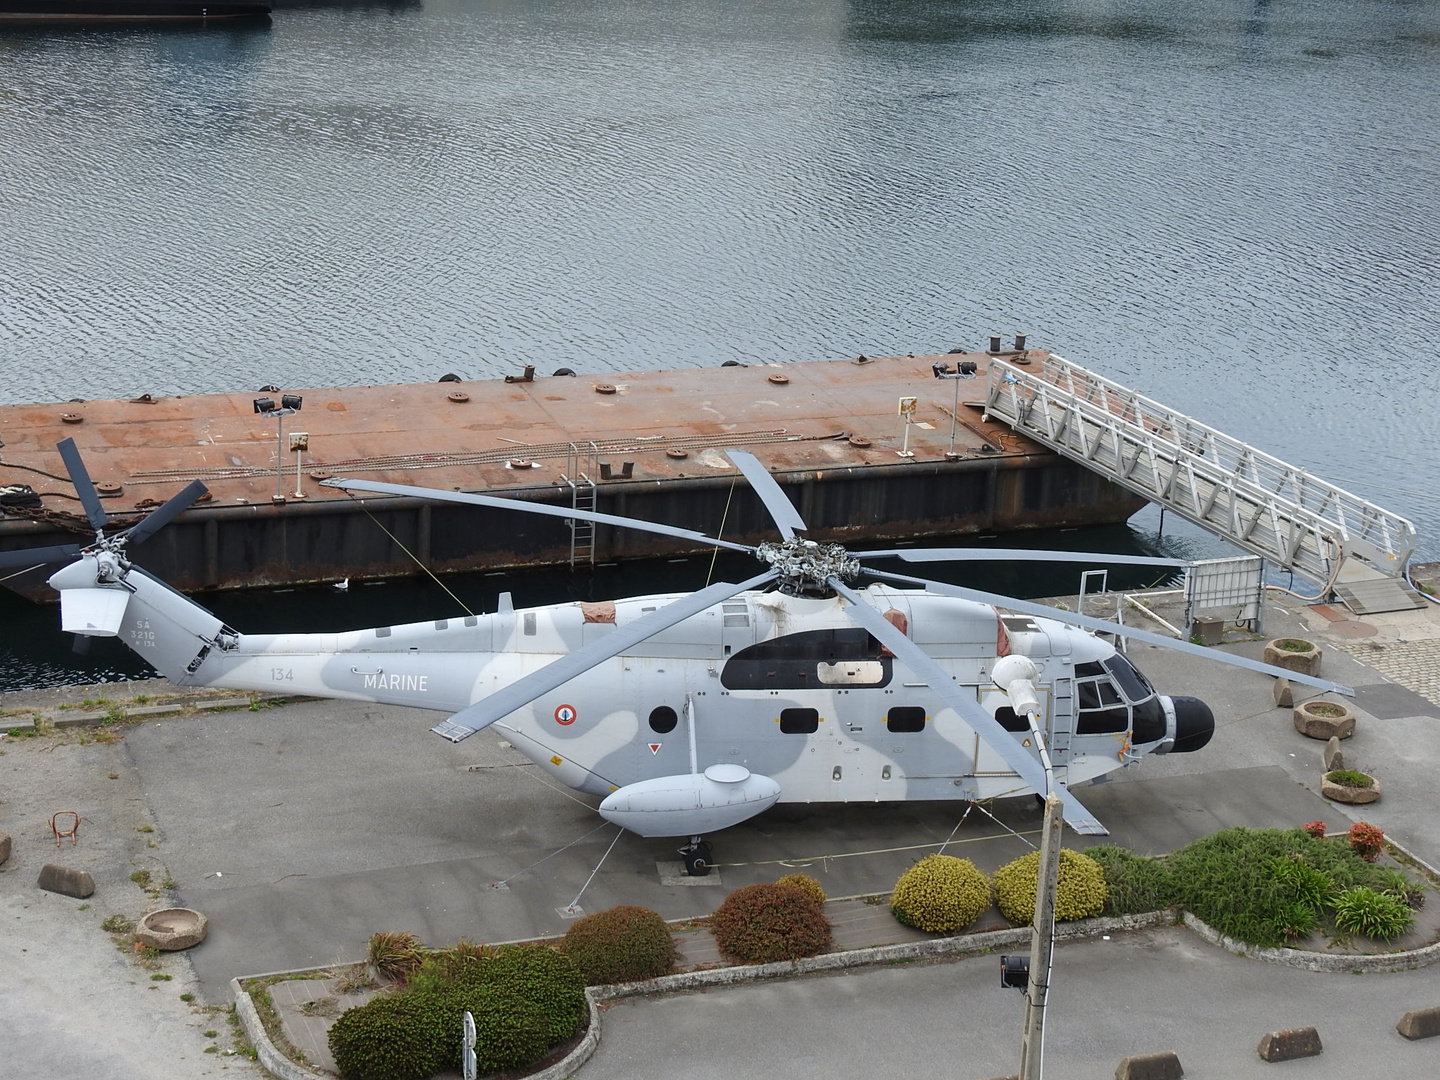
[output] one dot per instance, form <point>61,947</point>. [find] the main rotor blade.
<point>530,508</point>
<point>787,519</point>
<point>1104,627</point>
<point>970,710</point>
<point>84,486</point>
<point>525,690</point>
<point>1015,555</point>
<point>173,507</point>
<point>38,556</point>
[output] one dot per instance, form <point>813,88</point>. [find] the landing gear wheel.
<point>697,857</point>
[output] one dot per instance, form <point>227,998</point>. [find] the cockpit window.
<point>1135,685</point>
<point>809,660</point>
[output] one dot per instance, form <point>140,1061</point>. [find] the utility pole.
<point>1016,675</point>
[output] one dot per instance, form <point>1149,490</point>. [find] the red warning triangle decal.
<point>655,747</point>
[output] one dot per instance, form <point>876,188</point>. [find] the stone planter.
<point>1347,794</point>
<point>172,928</point>
<point>1320,719</point>
<point>1306,661</point>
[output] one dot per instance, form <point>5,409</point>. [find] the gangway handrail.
<point>1271,508</point>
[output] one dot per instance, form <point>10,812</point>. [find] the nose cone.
<point>1194,724</point>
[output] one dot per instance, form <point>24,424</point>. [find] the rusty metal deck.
<point>831,431</point>
<point>791,416</point>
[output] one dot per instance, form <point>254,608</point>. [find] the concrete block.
<point>1334,758</point>
<point>1208,631</point>
<point>67,882</point>
<point>1288,1045</point>
<point>25,724</point>
<point>1162,1066</point>
<point>1284,694</point>
<point>78,719</point>
<point>1420,1023</point>
<point>5,847</point>
<point>153,710</point>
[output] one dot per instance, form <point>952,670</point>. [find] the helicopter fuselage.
<point>785,686</point>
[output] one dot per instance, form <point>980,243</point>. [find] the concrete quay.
<point>301,828</point>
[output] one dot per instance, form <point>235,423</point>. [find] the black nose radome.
<point>1194,724</point>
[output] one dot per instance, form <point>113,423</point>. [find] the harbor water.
<point>1228,204</point>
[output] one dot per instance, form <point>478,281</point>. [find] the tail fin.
<point>100,597</point>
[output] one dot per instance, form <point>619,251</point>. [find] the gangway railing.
<point>1272,509</point>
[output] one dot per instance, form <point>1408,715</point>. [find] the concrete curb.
<point>1314,961</point>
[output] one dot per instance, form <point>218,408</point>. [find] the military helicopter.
<point>690,713</point>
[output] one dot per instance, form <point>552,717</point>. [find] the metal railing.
<point>1277,511</point>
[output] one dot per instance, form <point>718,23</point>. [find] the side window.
<point>1010,720</point>
<point>1101,709</point>
<point>799,721</point>
<point>905,718</point>
<point>663,719</point>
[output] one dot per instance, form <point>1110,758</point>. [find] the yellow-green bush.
<point>806,883</point>
<point>1081,894</point>
<point>940,894</point>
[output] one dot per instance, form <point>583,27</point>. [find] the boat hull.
<point>43,11</point>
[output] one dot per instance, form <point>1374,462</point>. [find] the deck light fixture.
<point>964,369</point>
<point>264,406</point>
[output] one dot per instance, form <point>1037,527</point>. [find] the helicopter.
<point>819,679</point>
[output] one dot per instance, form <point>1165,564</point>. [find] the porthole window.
<point>799,721</point>
<point>905,718</point>
<point>663,719</point>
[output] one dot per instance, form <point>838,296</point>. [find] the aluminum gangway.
<point>1289,517</point>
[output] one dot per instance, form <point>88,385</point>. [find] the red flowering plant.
<point>1367,840</point>
<point>1315,829</point>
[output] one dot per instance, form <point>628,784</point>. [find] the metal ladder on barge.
<point>1291,518</point>
<point>582,497</point>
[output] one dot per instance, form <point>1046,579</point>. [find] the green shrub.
<point>1081,893</point>
<point>623,944</point>
<point>805,882</point>
<point>1374,914</point>
<point>1304,883</point>
<point>525,1000</point>
<point>399,1036</point>
<point>1230,879</point>
<point>1134,883</point>
<point>1296,920</point>
<point>396,954</point>
<point>940,894</point>
<point>760,924</point>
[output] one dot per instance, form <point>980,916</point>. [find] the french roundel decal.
<point>565,714</point>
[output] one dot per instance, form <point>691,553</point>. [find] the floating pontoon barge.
<point>869,450</point>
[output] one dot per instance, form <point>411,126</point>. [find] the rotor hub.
<point>804,566</point>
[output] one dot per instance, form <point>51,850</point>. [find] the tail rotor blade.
<point>173,507</point>
<point>38,556</point>
<point>782,510</point>
<point>84,486</point>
